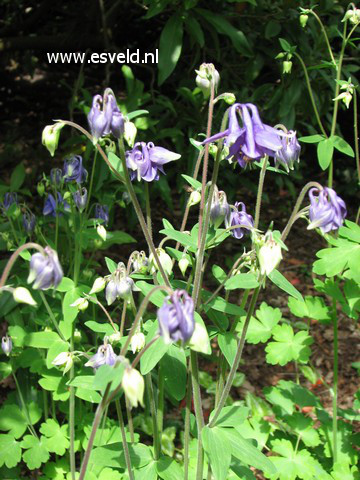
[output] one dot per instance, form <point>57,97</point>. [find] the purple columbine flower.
<point>104,356</point>
<point>220,209</point>
<point>29,221</point>
<point>289,153</point>
<point>56,176</point>
<point>119,285</point>
<point>73,170</point>
<point>50,207</point>
<point>105,116</point>
<point>45,270</point>
<point>239,218</point>
<point>6,345</point>
<point>80,198</point>
<point>176,317</point>
<point>253,139</point>
<point>145,161</point>
<point>327,210</point>
<point>9,199</point>
<point>102,213</point>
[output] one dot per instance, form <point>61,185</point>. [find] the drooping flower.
<point>9,199</point>
<point>73,170</point>
<point>269,255</point>
<point>327,210</point>
<point>176,317</point>
<point>50,136</point>
<point>239,218</point>
<point>220,209</point>
<point>119,285</point>
<point>206,76</point>
<point>64,358</point>
<point>80,198</point>
<point>56,176</point>
<point>105,116</point>
<point>137,341</point>
<point>102,213</point>
<point>134,386</point>
<point>140,263</point>
<point>145,161</point>
<point>29,221</point>
<point>45,270</point>
<point>104,356</point>
<point>253,139</point>
<point>6,345</point>
<point>289,153</point>
<point>164,259</point>
<point>50,207</point>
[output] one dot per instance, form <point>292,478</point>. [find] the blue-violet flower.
<point>176,317</point>
<point>327,210</point>
<point>102,213</point>
<point>80,198</point>
<point>51,208</point>
<point>73,170</point>
<point>105,116</point>
<point>239,218</point>
<point>29,221</point>
<point>45,270</point>
<point>104,356</point>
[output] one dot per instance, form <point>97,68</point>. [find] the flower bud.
<point>206,76</point>
<point>287,65</point>
<point>98,285</point>
<point>229,98</point>
<point>219,209</point>
<point>183,264</point>
<point>81,304</point>
<point>269,256</point>
<point>346,97</point>
<point>199,340</point>
<point>101,231</point>
<point>130,133</point>
<point>137,342</point>
<point>115,337</point>
<point>140,263</point>
<point>213,149</point>
<point>51,135</point>
<point>194,198</point>
<point>64,358</point>
<point>303,20</point>
<point>40,188</point>
<point>29,221</point>
<point>77,335</point>
<point>164,259</point>
<point>353,15</point>
<point>56,176</point>
<point>22,295</point>
<point>45,270</point>
<point>133,385</point>
<point>6,345</point>
<point>80,199</point>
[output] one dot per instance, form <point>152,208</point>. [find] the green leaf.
<point>224,27</point>
<point>13,420</point>
<point>83,381</point>
<point>17,177</point>
<point>69,313</point>
<point>56,383</point>
<point>89,395</point>
<point>284,284</point>
<point>116,237</point>
<point>228,345</point>
<point>184,239</point>
<point>36,451</point>
<point>111,265</point>
<point>230,416</point>
<point>218,450</point>
<point>149,472</point>
<point>325,151</point>
<point>168,469</point>
<point>312,307</point>
<point>157,298</point>
<point>195,30</point>
<point>220,305</point>
<point>5,370</point>
<point>242,280</point>
<point>261,327</point>
<point>55,349</point>
<point>288,346</point>
<point>312,139</point>
<point>153,354</point>
<point>115,163</point>
<point>106,374</point>
<point>41,339</point>
<point>170,47</point>
<point>10,451</point>
<point>100,327</point>
<point>113,456</point>
<point>173,367</point>
<point>285,45</point>
<point>65,285</point>
<point>57,438</point>
<point>304,427</point>
<point>342,146</point>
<point>194,183</point>
<point>137,113</point>
<point>246,452</point>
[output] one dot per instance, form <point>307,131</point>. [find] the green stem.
<point>123,438</point>
<point>160,406</point>
<point>150,389</point>
<point>335,382</point>
<point>260,191</point>
<point>46,405</point>
<point>307,79</point>
<point>23,405</point>
<point>51,315</point>
<point>91,184</point>
<point>130,420</point>
<point>325,36</point>
<point>13,231</point>
<point>148,208</point>
<point>187,425</point>
<point>237,359</point>
<point>198,412</point>
<point>72,420</point>
<point>356,135</point>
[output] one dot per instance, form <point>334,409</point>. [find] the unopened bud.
<point>50,137</point>
<point>101,231</point>
<point>133,385</point>
<point>199,340</point>
<point>206,76</point>
<point>98,285</point>
<point>164,259</point>
<point>40,188</point>
<point>269,256</point>
<point>81,304</point>
<point>22,295</point>
<point>137,342</point>
<point>6,345</point>
<point>287,65</point>
<point>64,358</point>
<point>303,20</point>
<point>194,198</point>
<point>183,264</point>
<point>130,132</point>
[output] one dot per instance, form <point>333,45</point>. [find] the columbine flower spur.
<point>239,218</point>
<point>45,270</point>
<point>104,356</point>
<point>73,170</point>
<point>327,210</point>
<point>105,116</point>
<point>176,317</point>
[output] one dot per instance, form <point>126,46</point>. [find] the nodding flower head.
<point>207,75</point>
<point>327,210</point>
<point>145,161</point>
<point>102,213</point>
<point>252,139</point>
<point>29,222</point>
<point>80,198</point>
<point>73,170</point>
<point>104,356</point>
<point>52,208</point>
<point>45,270</point>
<point>10,198</point>
<point>176,317</point>
<point>119,285</point>
<point>239,218</point>
<point>6,345</point>
<point>289,152</point>
<point>105,116</point>
<point>56,176</point>
<point>220,209</point>
<point>140,263</point>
